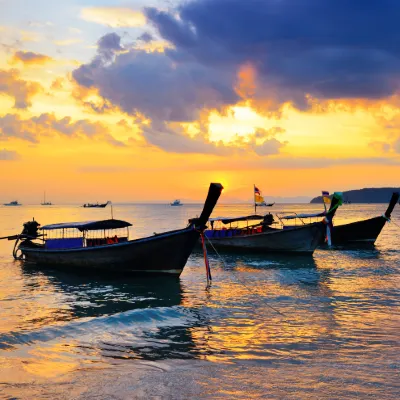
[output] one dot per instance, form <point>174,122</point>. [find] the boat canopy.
<point>89,225</point>
<point>226,220</point>
<point>321,214</point>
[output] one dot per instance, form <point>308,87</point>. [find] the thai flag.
<point>257,191</point>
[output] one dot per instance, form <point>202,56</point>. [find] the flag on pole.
<point>258,198</point>
<point>326,199</point>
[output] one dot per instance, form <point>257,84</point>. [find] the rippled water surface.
<point>321,327</point>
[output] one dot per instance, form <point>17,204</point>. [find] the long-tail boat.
<point>262,237</point>
<point>365,231</point>
<point>99,245</point>
<point>96,205</point>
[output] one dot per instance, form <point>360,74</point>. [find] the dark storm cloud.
<point>154,85</point>
<point>328,48</point>
<point>146,37</point>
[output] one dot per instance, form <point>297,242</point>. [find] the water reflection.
<point>91,321</point>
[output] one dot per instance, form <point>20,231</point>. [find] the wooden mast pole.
<point>254,197</point>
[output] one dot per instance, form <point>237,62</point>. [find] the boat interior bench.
<point>103,241</point>
<point>64,243</point>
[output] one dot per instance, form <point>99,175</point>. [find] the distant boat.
<point>176,203</point>
<point>12,203</point>
<point>96,205</point>
<point>45,203</point>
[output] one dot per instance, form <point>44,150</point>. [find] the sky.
<point>153,100</point>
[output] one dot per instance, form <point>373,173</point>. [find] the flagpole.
<point>254,197</point>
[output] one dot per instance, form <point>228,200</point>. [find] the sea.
<point>325,326</point>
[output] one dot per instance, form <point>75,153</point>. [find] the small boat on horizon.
<point>176,203</point>
<point>105,245</point>
<point>45,203</point>
<point>12,203</point>
<point>96,205</point>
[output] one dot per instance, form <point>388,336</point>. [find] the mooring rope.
<point>242,282</point>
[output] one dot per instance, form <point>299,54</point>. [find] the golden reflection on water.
<point>333,316</point>
<point>19,288</point>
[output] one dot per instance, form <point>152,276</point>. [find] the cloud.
<point>174,138</point>
<point>8,155</point>
<point>167,93</point>
<point>29,57</point>
<point>33,129</point>
<point>146,37</point>
<point>156,86</point>
<point>57,84</point>
<point>67,42</point>
<point>74,30</point>
<point>267,53</point>
<point>380,147</point>
<point>391,126</point>
<point>113,16</point>
<point>396,146</point>
<point>22,91</point>
<point>325,48</point>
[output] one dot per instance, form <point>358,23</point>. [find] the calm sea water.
<point>321,327</point>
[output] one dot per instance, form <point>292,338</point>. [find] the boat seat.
<point>208,233</point>
<point>66,243</point>
<point>229,233</point>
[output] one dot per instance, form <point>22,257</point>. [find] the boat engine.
<point>30,229</point>
<point>29,232</point>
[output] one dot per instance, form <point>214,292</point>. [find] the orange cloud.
<point>32,129</point>
<point>247,76</point>
<point>22,91</point>
<point>29,57</point>
<point>8,155</point>
<point>57,84</point>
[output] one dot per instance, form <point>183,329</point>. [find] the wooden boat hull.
<point>164,253</point>
<point>360,232</point>
<point>160,254</point>
<point>299,240</point>
<point>363,232</point>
